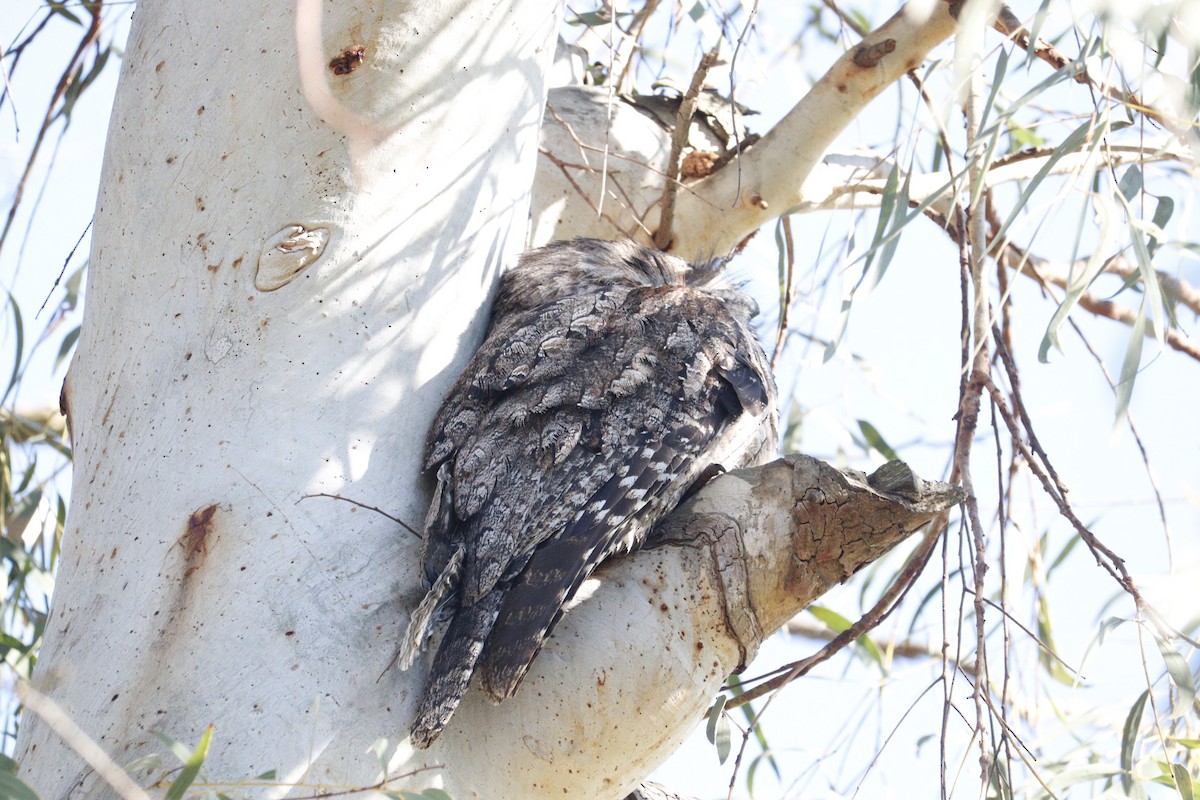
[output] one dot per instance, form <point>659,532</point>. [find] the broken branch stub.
<point>781,535</point>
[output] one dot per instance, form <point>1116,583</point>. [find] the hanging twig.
<point>1041,467</point>
<point>90,36</point>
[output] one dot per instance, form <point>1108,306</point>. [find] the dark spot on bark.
<point>108,411</point>
<point>237,262</point>
<point>187,356</point>
<point>350,60</point>
<point>289,633</point>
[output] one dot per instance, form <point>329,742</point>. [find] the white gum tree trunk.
<point>300,220</point>
<point>211,393</point>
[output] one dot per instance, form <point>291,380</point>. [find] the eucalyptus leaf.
<point>1178,670</point>
<point>1183,781</point>
<point>1129,739</point>
<point>16,789</point>
<point>191,769</point>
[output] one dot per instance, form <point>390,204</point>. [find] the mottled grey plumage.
<point>611,377</point>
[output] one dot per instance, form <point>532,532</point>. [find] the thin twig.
<point>1026,756</point>
<point>377,510</point>
<point>324,791</point>
<point>90,36</point>
<point>1010,368</point>
<point>66,263</point>
<point>679,138</point>
<point>563,167</point>
<point>625,200</point>
<point>1002,519</point>
<point>974,332</point>
<point>1105,558</point>
<point>15,52</point>
<point>636,27</point>
<point>1141,446</point>
<point>1038,269</point>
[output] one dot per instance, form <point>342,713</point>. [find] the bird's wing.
<point>661,429</point>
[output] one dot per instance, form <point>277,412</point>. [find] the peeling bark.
<point>781,535</point>
<point>772,539</point>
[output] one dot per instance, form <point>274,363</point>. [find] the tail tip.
<point>423,734</point>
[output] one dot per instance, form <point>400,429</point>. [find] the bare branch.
<point>1174,289</point>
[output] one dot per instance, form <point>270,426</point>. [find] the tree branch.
<point>1009,24</point>
<point>766,179</point>
<point>783,534</point>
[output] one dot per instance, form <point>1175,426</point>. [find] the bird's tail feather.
<point>453,666</point>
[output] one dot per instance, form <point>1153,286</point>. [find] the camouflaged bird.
<point>612,377</point>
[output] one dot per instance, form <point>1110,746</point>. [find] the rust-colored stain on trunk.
<point>195,538</point>
<point>348,61</point>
